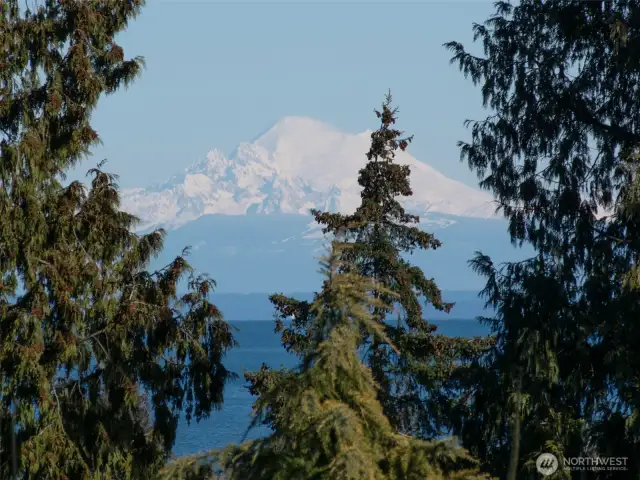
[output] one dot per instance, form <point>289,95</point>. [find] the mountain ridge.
<point>298,164</point>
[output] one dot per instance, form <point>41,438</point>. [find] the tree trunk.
<point>515,431</point>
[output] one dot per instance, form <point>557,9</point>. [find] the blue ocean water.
<point>259,344</point>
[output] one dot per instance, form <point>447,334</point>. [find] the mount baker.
<point>298,164</point>
<point>247,219</point>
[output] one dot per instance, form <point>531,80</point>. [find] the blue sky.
<point>219,73</point>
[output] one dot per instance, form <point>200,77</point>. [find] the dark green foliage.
<point>98,356</point>
<point>328,423</point>
<point>379,232</point>
<point>561,77</point>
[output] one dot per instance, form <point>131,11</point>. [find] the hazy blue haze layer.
<point>270,253</point>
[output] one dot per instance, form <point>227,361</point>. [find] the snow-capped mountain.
<point>298,164</point>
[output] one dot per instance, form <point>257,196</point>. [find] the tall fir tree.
<point>330,424</point>
<point>98,356</point>
<point>560,77</point>
<point>382,234</point>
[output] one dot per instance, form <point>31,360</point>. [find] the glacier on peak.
<point>298,164</point>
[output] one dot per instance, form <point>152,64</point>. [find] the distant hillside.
<point>279,252</point>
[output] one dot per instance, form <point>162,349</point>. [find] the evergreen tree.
<point>380,232</point>
<point>560,77</point>
<point>330,424</point>
<point>98,355</point>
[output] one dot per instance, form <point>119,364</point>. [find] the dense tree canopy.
<point>561,80</point>
<point>98,355</point>
<point>328,422</point>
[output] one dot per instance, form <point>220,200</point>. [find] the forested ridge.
<point>101,354</point>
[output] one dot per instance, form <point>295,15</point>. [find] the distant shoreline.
<point>231,320</point>
<point>246,307</point>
